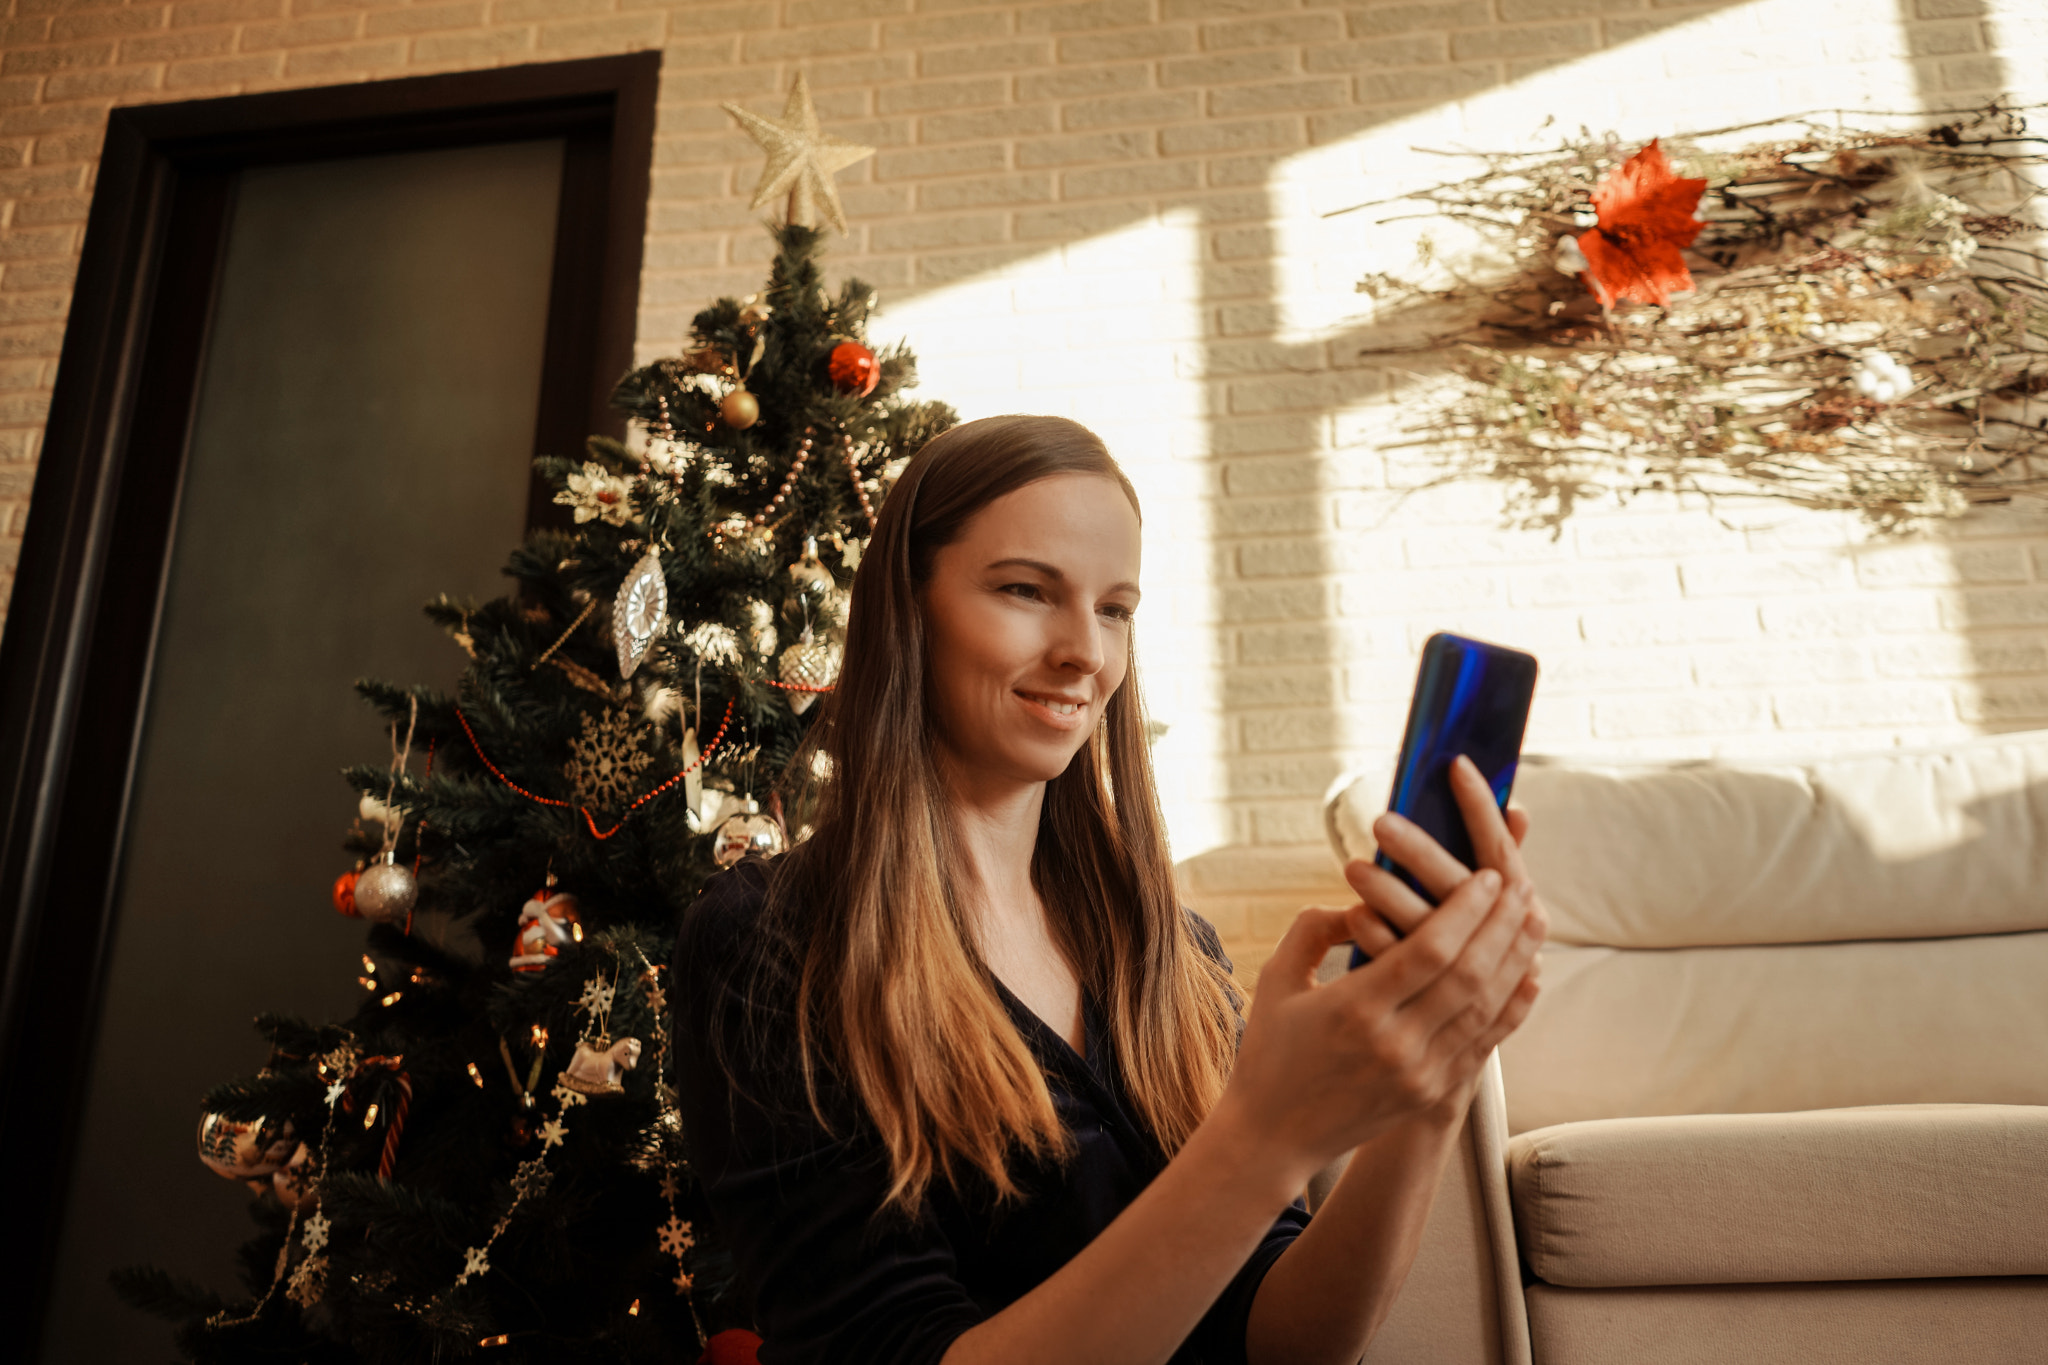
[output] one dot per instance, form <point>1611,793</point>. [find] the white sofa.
<point>1782,1098</point>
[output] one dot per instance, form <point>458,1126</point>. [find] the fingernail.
<point>1489,881</point>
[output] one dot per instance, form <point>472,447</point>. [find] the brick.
<point>209,13</point>
<point>1763,668</point>
<point>810,42</point>
<point>1528,11</point>
<point>924,233</point>
<point>66,208</point>
<point>1270,516</point>
<point>2004,703</point>
<point>825,11</point>
<point>327,61</point>
<point>1172,10</point>
<point>1233,102</point>
<point>1010,56</point>
<point>332,28</point>
<point>1697,713</point>
<point>1855,616</point>
<point>1024,188</point>
<point>961,265</point>
<point>29,89</point>
<point>18,245</point>
<point>2000,607</point>
<point>1129,46</point>
<point>625,31</point>
<point>105,23</point>
<point>1951,9</point>
<point>1941,565</point>
<point>1241,136</point>
<point>1243,687</point>
<point>1573,585</point>
<point>1433,15</point>
<point>1666,624</point>
<point>1296,775</point>
<point>1426,83</point>
<point>222,71</point>
<point>23,32</point>
<point>1869,704</point>
<point>1291,731</point>
<point>1092,14</point>
<point>1069,151</point>
<point>439,48</point>
<point>987,123</point>
<point>1523,42</point>
<point>916,162</point>
<point>62,149</point>
<point>1303,391</point>
<point>423,19</point>
<point>36,341</point>
<point>1072,84</point>
<point>1071,224</point>
<point>175,47</point>
<point>72,85</point>
<point>1273,32</point>
<point>740,18</point>
<point>1127,180</point>
<point>1755,575</point>
<point>1229,67</point>
<point>41,274</point>
<point>922,96</point>
<point>1943,40</point>
<point>932,30</point>
<point>41,60</point>
<point>33,307</point>
<point>1421,49</point>
<point>1125,110</point>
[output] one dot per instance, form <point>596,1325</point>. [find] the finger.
<point>1511,1016</point>
<point>1491,842</point>
<point>1393,900</point>
<point>1414,965</point>
<point>1518,824</point>
<point>1466,997</point>
<point>1292,967</point>
<point>1408,844</point>
<point>1371,933</point>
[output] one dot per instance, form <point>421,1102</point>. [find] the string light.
<point>498,1340</point>
<point>540,1036</point>
<point>368,965</point>
<point>476,1076</point>
<point>393,998</point>
<point>634,1311</point>
<point>370,1116</point>
<point>576,930</point>
<point>366,983</point>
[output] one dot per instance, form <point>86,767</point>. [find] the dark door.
<point>357,338</point>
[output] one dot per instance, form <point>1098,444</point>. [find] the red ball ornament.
<point>345,894</point>
<point>854,369</point>
<point>734,1346</point>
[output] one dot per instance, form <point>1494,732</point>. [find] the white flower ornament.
<point>1881,378</point>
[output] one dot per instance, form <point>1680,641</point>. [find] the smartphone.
<point>1471,698</point>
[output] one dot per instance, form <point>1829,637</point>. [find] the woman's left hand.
<point>1388,910</point>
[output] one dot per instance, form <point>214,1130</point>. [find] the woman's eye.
<point>1117,612</point>
<point>1025,590</point>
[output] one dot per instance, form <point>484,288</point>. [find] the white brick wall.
<point>1114,209</point>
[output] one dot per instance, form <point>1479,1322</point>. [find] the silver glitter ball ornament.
<point>744,832</point>
<point>385,892</point>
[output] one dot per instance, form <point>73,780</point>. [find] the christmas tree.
<point>486,1158</point>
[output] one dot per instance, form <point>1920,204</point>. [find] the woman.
<point>963,1080</point>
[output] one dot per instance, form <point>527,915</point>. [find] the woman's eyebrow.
<point>1052,572</point>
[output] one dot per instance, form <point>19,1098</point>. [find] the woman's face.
<point>1028,614</point>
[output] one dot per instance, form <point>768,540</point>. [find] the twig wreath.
<point>1837,318</point>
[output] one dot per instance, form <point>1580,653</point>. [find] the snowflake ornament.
<point>308,1282</point>
<point>606,763</point>
<point>597,996</point>
<point>314,1234</point>
<point>476,1261</point>
<point>567,1098</point>
<point>676,1236</point>
<point>551,1134</point>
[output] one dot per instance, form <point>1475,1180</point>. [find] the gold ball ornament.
<point>747,831</point>
<point>386,891</point>
<point>740,409</point>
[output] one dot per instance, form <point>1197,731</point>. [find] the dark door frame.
<point>80,638</point>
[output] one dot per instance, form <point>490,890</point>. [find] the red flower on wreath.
<point>1645,218</point>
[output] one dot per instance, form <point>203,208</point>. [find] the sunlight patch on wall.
<point>1092,330</point>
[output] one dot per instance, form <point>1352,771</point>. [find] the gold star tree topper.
<point>801,159</point>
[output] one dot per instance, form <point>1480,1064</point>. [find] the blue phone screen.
<point>1471,698</point>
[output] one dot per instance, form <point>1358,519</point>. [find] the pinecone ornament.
<point>808,667</point>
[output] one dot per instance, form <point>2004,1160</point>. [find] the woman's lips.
<point>1059,712</point>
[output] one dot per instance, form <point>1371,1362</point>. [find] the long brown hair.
<point>893,999</point>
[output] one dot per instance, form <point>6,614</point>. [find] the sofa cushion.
<point>1621,1033</point>
<point>1875,1322</point>
<point>1898,844</point>
<point>1905,1192</point>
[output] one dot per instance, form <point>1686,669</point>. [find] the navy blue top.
<point>829,1281</point>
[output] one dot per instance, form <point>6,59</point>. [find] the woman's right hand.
<point>1324,1068</point>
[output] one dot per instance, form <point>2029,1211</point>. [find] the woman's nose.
<point>1077,643</point>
